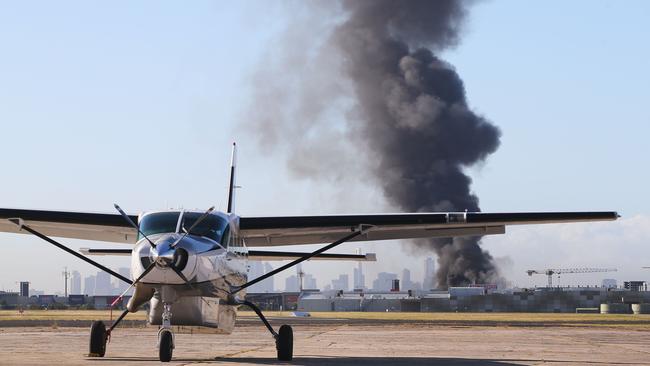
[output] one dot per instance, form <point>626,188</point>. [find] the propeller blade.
<point>146,271</point>
<point>198,221</point>
<point>180,274</point>
<point>128,219</point>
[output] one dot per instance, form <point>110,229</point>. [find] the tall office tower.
<point>268,284</point>
<point>121,285</point>
<point>255,270</point>
<point>358,278</point>
<point>103,283</point>
<point>341,283</point>
<point>309,282</point>
<point>89,285</point>
<point>407,284</point>
<point>75,283</point>
<point>429,281</point>
<point>384,281</point>
<point>24,288</point>
<point>291,284</point>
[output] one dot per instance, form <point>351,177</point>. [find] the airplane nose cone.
<point>165,256</point>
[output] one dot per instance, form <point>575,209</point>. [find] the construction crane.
<point>551,271</point>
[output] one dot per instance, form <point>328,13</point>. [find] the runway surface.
<point>341,344</point>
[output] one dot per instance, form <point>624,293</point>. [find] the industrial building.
<point>478,299</point>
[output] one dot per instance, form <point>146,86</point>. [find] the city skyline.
<point>381,282</point>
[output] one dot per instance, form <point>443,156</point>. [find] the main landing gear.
<point>284,343</point>
<point>283,338</point>
<point>98,338</point>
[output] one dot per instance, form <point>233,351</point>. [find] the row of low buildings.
<point>16,300</point>
<point>471,299</point>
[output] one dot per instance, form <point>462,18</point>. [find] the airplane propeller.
<point>174,258</point>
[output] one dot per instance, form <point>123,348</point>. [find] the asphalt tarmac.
<point>340,344</point>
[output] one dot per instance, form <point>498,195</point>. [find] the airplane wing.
<point>267,255</point>
<point>76,225</point>
<point>298,230</point>
<point>255,255</point>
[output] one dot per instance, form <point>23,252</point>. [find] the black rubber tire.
<point>284,343</point>
<point>166,346</point>
<point>98,338</point>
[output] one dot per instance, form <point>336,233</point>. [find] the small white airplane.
<point>195,263</point>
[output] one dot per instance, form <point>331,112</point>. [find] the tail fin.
<point>231,188</point>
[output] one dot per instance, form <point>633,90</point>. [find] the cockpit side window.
<point>212,227</point>
<point>158,223</point>
<point>225,238</point>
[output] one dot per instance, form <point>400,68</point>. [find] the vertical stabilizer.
<point>231,187</point>
<point>231,182</point>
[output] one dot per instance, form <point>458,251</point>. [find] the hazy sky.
<point>137,103</point>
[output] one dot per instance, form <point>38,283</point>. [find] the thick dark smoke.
<point>415,118</point>
<point>410,116</point>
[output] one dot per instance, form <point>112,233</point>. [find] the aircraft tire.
<point>284,343</point>
<point>166,345</point>
<point>98,338</point>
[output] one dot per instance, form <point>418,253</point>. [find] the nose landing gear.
<point>283,338</point>
<point>165,335</point>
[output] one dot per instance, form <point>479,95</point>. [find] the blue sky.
<point>136,103</point>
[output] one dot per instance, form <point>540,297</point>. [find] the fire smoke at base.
<point>411,116</point>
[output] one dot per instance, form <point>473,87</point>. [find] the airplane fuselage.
<point>211,258</point>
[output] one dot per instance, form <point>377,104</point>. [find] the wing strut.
<point>21,224</point>
<point>362,229</point>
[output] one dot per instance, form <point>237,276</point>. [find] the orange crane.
<point>551,271</point>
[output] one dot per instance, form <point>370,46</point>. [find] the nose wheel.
<point>165,345</point>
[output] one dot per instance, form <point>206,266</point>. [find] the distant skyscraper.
<point>406,280</point>
<point>358,278</point>
<point>255,270</point>
<point>309,282</point>
<point>429,281</point>
<point>341,283</point>
<point>291,284</point>
<point>89,285</point>
<point>258,269</point>
<point>103,284</point>
<point>121,285</point>
<point>268,283</point>
<point>24,288</point>
<point>384,281</point>
<point>75,283</point>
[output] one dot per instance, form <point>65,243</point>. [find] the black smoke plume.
<point>410,117</point>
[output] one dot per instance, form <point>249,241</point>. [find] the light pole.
<point>66,276</point>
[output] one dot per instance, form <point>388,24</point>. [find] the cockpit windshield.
<point>158,223</point>
<point>212,226</point>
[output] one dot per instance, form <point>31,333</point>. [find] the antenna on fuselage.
<point>231,187</point>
